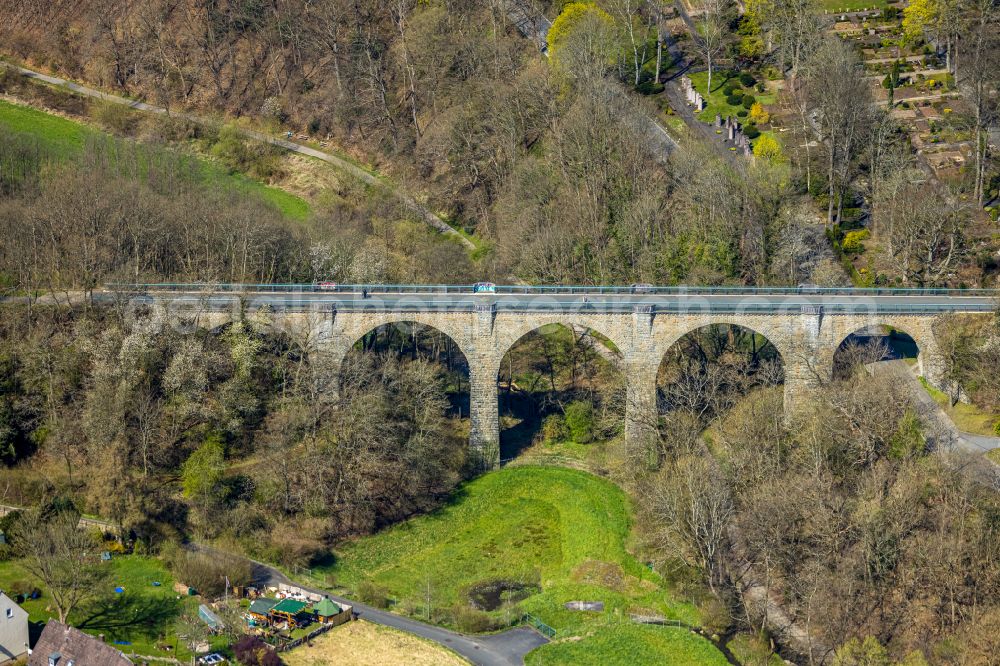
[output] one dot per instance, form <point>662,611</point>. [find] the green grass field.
<point>138,619</point>
<point>629,644</point>
<point>564,529</point>
<point>65,139</point>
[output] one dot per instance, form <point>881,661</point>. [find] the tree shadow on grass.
<point>129,615</point>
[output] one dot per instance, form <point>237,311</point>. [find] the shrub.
<point>767,147</point>
<point>255,158</point>
<point>553,429</point>
<point>747,79</point>
<point>730,88</point>
<point>751,131</point>
<point>649,88</point>
<point>742,113</point>
<point>206,572</point>
<point>373,595</point>
<point>759,114</point>
<point>117,118</point>
<point>748,101</point>
<point>854,241</point>
<point>252,651</point>
<point>735,99</point>
<point>580,421</point>
<point>472,621</point>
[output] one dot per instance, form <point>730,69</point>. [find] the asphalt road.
<point>504,649</point>
<point>432,299</point>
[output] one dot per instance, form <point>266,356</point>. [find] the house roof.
<point>326,608</point>
<point>73,644</point>
<point>262,606</point>
<point>290,606</point>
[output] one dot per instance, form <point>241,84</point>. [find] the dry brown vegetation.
<point>362,644</point>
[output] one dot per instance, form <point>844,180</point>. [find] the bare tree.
<point>840,107</point>
<point>710,33</point>
<point>64,557</point>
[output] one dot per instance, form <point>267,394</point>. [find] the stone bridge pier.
<point>806,341</point>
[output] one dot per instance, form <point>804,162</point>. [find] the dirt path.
<point>340,163</point>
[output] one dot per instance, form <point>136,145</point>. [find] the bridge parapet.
<point>641,329</point>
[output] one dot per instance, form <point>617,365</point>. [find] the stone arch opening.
<point>560,386</point>
<point>706,371</point>
<point>402,342</point>
<point>874,344</point>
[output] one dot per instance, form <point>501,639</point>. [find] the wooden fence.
<point>308,637</point>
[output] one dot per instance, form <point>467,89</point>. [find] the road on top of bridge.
<point>578,299</point>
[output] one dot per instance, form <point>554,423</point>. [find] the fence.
<point>308,637</point>
<point>545,629</point>
<point>681,290</point>
<point>142,658</point>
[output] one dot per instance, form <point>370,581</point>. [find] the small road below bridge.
<point>507,648</point>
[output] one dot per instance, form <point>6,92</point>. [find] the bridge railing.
<point>546,289</point>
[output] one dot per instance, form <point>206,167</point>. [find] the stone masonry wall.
<point>806,341</point>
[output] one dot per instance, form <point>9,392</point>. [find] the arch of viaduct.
<point>807,344</point>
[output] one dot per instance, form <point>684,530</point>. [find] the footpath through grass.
<point>66,139</point>
<point>563,530</point>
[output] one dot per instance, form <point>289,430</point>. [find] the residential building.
<point>13,629</point>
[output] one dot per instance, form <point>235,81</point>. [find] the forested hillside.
<point>693,142</point>
<point>549,161</point>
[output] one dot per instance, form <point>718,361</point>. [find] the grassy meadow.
<point>140,620</point>
<point>565,531</point>
<point>65,139</point>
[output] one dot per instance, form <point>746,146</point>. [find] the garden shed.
<point>259,612</point>
<point>325,610</point>
<point>290,611</point>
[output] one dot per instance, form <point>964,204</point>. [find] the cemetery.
<point>912,79</point>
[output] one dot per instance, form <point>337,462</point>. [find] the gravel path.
<point>340,163</point>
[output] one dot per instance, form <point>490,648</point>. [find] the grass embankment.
<point>965,416</point>
<point>562,529</point>
<point>140,620</point>
<point>65,139</point>
<point>364,644</point>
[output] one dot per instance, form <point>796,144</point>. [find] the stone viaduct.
<point>806,338</point>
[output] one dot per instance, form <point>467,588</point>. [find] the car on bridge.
<point>326,286</point>
<point>484,288</point>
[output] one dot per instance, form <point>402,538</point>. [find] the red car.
<point>326,286</point>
